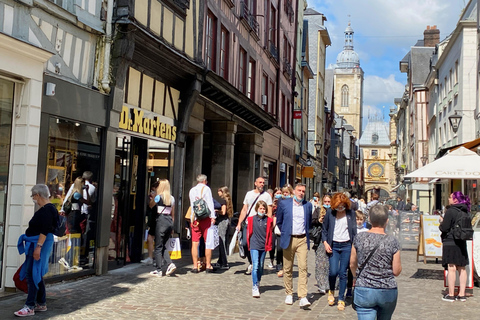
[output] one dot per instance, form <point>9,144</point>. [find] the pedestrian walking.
<point>248,210</point>
<point>454,255</point>
<point>294,216</point>
<point>277,252</point>
<point>37,244</point>
<point>200,227</point>
<point>223,222</point>
<point>321,257</point>
<point>339,231</point>
<point>375,259</point>
<point>259,240</point>
<point>165,204</point>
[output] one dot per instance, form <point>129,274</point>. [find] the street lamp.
<point>455,120</point>
<point>318,147</point>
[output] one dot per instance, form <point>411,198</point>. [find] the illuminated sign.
<point>144,122</point>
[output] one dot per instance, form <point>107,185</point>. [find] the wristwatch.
<point>39,244</point>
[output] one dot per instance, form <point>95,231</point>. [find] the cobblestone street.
<point>130,292</point>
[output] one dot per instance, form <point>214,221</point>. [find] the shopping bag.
<point>174,248</point>
<point>212,240</point>
<point>20,284</point>
<point>233,244</point>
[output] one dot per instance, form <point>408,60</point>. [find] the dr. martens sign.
<point>144,122</point>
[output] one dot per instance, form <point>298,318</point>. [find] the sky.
<point>384,32</point>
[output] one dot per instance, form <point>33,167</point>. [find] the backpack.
<point>200,208</point>
<point>462,228</point>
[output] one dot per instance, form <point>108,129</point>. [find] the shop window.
<point>73,155</point>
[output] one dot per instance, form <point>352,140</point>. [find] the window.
<point>445,87</point>
<point>345,96</point>
<point>251,79</point>
<point>374,153</point>
<point>441,91</point>
<point>450,81</point>
<point>374,138</point>
<point>264,92</point>
<point>281,111</point>
<point>210,41</point>
<point>271,99</point>
<point>273,26</point>
<point>224,42</point>
<point>65,4</point>
<point>242,71</point>
<point>456,72</point>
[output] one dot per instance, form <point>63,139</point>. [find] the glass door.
<point>6,110</point>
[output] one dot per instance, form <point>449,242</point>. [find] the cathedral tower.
<point>348,79</point>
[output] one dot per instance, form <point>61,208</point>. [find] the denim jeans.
<point>34,295</point>
<point>339,261</point>
<point>258,258</point>
<point>374,303</point>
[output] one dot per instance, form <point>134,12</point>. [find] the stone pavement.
<point>131,293</point>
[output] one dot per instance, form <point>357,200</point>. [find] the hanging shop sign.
<point>297,114</point>
<point>144,122</point>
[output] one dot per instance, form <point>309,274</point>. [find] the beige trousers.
<point>297,246</point>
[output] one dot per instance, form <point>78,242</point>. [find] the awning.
<point>434,180</point>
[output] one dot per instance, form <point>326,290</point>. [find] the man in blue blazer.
<point>293,219</point>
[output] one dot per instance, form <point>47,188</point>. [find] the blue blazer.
<point>285,220</point>
<point>329,225</point>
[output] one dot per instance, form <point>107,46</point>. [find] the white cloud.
<point>379,90</point>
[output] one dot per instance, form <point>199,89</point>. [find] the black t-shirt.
<point>221,217</point>
<point>43,221</point>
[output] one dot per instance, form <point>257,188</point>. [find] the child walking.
<point>259,240</point>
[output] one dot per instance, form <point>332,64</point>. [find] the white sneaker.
<point>255,292</point>
<point>289,299</point>
<point>304,302</point>
<point>249,269</point>
<point>147,261</point>
<point>156,273</point>
<point>270,266</point>
<point>321,291</point>
<point>171,269</point>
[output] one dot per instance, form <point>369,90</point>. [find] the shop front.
<point>278,158</point>
<point>70,157</point>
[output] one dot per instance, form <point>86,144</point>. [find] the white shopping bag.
<point>233,243</point>
<point>212,240</point>
<point>174,248</point>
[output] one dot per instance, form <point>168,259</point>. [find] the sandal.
<point>341,305</point>
<point>280,273</point>
<point>331,298</point>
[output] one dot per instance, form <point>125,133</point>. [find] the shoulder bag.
<point>359,270</point>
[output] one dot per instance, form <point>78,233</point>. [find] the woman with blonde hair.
<point>223,220</point>
<point>165,203</point>
<point>75,198</point>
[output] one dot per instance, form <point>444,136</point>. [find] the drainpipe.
<point>108,41</point>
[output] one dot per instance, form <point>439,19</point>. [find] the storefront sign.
<point>144,122</point>
<point>297,114</point>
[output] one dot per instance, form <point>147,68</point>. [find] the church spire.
<point>348,38</point>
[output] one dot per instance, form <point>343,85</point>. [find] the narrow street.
<point>131,293</point>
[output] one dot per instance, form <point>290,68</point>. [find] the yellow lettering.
<point>174,133</point>
<point>124,118</point>
<point>146,126</point>
<point>168,132</point>
<point>157,126</point>
<point>137,127</point>
<point>162,130</point>
<point>130,124</point>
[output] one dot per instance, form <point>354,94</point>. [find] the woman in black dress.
<point>454,255</point>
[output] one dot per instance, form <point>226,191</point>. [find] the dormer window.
<point>374,138</point>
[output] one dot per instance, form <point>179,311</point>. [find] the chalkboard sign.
<point>409,227</point>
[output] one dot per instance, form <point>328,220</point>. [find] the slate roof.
<point>420,63</point>
<point>329,88</point>
<point>310,12</point>
<point>380,128</point>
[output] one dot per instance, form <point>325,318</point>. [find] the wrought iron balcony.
<point>273,50</point>
<point>249,20</point>
<point>183,4</point>
<point>287,68</point>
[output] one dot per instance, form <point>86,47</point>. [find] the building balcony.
<point>249,21</point>
<point>273,50</point>
<point>287,69</point>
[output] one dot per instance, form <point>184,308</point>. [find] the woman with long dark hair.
<point>454,255</point>
<point>223,220</point>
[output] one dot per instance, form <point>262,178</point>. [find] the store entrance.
<point>128,202</point>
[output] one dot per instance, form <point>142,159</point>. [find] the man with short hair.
<point>200,227</point>
<point>400,204</point>
<point>293,219</point>
<point>248,210</point>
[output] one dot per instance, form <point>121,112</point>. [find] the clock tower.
<point>377,167</point>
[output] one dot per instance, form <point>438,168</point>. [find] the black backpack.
<point>462,228</point>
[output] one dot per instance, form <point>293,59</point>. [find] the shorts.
<point>200,228</point>
<point>152,224</point>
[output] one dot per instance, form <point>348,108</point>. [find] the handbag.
<point>20,284</point>
<point>174,248</point>
<point>359,270</point>
<point>212,240</point>
<point>200,208</point>
<point>233,247</point>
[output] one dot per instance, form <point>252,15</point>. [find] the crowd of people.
<point>347,234</point>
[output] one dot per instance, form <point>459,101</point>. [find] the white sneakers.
<point>147,261</point>
<point>304,302</point>
<point>156,273</point>
<point>255,292</point>
<point>171,269</point>
<point>249,269</point>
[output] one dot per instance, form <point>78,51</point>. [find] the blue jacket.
<point>329,225</point>
<point>285,220</point>
<point>40,267</point>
